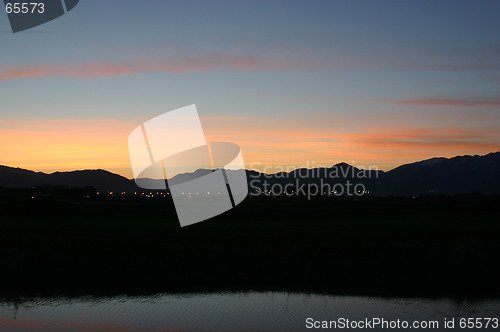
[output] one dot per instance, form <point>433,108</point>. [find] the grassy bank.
<point>430,246</point>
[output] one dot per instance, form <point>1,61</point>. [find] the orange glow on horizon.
<point>74,144</point>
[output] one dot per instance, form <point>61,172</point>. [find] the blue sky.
<point>339,68</point>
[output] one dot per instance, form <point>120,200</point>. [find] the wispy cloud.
<point>369,144</point>
<point>66,144</point>
<point>173,65</point>
<point>426,138</point>
<point>443,102</point>
<point>278,58</point>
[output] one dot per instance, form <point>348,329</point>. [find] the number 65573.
<point>25,8</point>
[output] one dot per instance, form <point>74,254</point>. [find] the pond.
<point>242,311</point>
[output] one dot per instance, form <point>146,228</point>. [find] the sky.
<point>294,83</point>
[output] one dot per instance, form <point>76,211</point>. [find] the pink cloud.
<point>293,60</point>
<point>173,65</point>
<point>443,102</point>
<point>483,139</point>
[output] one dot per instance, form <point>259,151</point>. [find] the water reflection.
<point>257,311</point>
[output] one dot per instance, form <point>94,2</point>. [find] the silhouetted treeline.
<point>374,246</point>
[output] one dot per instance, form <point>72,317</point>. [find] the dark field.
<point>427,246</point>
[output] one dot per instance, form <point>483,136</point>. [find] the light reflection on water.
<point>253,311</point>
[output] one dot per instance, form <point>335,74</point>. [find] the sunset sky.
<point>292,82</point>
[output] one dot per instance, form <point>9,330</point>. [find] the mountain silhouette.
<point>461,174</point>
<point>102,180</point>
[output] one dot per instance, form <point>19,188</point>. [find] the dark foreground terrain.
<point>427,246</point>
